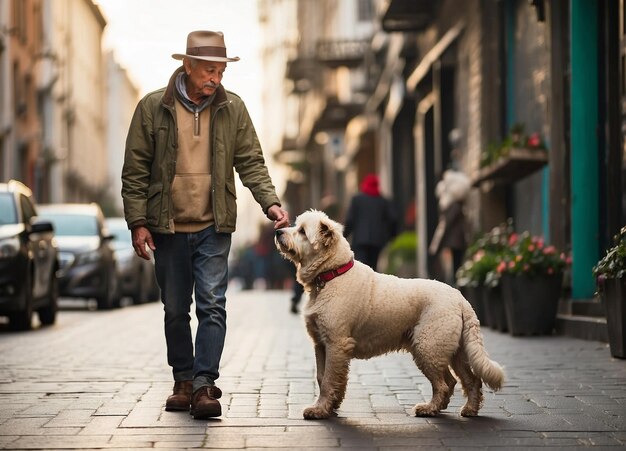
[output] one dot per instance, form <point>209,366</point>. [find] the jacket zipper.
<point>219,107</point>
<point>172,169</point>
<point>196,123</point>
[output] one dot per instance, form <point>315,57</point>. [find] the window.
<point>73,224</point>
<point>28,211</point>
<point>19,20</point>
<point>365,11</point>
<point>8,213</point>
<point>18,91</point>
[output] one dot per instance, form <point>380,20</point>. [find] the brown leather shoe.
<point>205,404</point>
<point>180,399</point>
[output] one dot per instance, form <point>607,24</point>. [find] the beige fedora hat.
<point>207,46</point>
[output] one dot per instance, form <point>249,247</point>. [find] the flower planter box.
<point>516,165</point>
<point>531,303</point>
<point>494,305</point>
<point>614,294</point>
<point>474,296</point>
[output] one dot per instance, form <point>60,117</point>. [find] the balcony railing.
<point>336,53</point>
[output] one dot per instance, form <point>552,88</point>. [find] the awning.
<point>408,15</point>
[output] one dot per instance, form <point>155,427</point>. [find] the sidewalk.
<point>99,380</point>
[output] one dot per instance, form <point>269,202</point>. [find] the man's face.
<point>203,78</point>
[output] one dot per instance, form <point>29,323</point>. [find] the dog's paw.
<point>425,410</point>
<point>469,412</point>
<point>315,413</point>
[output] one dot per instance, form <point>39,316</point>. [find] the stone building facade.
<point>448,78</point>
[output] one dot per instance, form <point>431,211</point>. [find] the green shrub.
<point>613,264</point>
<point>402,254</point>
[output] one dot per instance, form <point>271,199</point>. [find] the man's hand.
<point>279,216</point>
<point>141,237</point>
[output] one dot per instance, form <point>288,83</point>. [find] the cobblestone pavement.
<point>99,380</point>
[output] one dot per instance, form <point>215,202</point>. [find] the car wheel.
<point>154,291</point>
<point>23,320</point>
<point>106,300</point>
<point>48,314</point>
<point>110,297</point>
<point>117,291</point>
<point>139,296</point>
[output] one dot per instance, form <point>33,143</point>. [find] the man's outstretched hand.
<point>279,216</point>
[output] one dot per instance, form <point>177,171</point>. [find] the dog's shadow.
<point>428,431</point>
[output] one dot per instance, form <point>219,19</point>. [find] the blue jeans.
<point>198,263</point>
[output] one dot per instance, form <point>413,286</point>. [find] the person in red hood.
<point>371,222</point>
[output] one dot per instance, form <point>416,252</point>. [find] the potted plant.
<point>470,279</point>
<point>532,278</point>
<point>611,283</point>
<point>517,156</point>
<point>477,276</point>
<point>401,255</point>
<point>493,299</point>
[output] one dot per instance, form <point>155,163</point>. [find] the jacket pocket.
<point>191,198</point>
<point>231,204</point>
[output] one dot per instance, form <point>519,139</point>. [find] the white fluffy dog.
<point>354,312</point>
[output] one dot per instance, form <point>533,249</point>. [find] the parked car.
<point>136,277</point>
<point>88,265</point>
<point>28,259</point>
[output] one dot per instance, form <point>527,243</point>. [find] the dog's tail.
<point>485,368</point>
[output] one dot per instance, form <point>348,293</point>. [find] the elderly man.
<point>178,186</point>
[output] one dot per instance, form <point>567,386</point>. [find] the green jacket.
<point>150,161</point>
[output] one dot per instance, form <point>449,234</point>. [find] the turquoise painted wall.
<point>584,145</point>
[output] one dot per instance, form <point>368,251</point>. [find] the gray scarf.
<point>181,89</point>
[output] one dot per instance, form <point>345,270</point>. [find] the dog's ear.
<point>327,232</point>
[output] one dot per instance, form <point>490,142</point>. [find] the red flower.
<point>534,140</point>
<point>478,255</point>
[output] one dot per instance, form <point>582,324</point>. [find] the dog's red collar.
<point>327,276</point>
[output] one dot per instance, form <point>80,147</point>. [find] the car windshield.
<point>67,224</point>
<point>121,235</point>
<point>8,214</point>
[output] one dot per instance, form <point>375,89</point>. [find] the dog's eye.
<point>301,231</point>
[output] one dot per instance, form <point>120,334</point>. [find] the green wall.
<point>584,145</point>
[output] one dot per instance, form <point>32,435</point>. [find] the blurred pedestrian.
<point>178,186</point>
<point>296,297</point>
<point>451,231</point>
<point>273,269</point>
<point>371,222</point>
